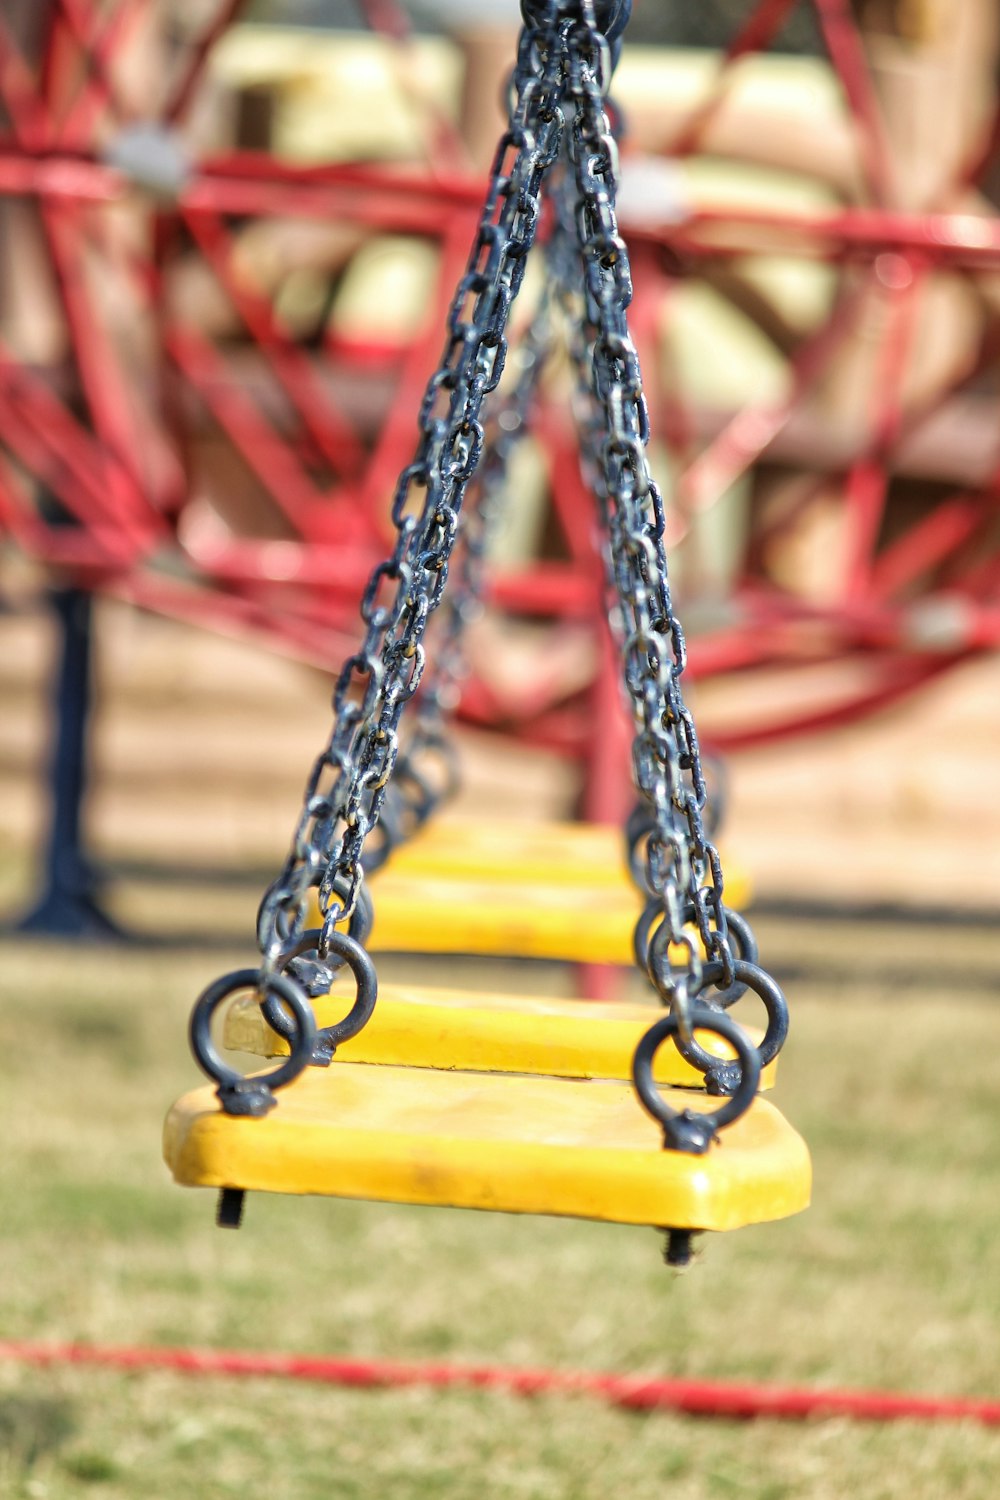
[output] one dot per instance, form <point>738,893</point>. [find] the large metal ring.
<point>691,1130</point>
<point>253,1095</point>
<point>736,923</point>
<point>328,1038</point>
<point>359,927</point>
<point>722,1077</point>
<point>639,824</point>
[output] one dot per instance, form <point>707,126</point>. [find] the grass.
<point>892,1279</point>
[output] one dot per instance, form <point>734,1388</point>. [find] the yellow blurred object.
<point>481,1140</point>
<point>500,851</point>
<point>553,890</point>
<point>463,1029</point>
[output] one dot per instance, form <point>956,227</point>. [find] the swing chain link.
<point>349,779</point>
<point>683,870</point>
<point>438,698</point>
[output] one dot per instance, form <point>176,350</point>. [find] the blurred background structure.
<point>228,235</point>
<point>230,232</point>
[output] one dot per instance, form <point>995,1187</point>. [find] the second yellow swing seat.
<point>480,1032</point>
<point>550,890</point>
<point>508,851</point>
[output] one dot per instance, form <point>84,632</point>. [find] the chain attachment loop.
<point>723,1077</point>
<point>253,1095</point>
<point>358,960</point>
<point>692,1130</point>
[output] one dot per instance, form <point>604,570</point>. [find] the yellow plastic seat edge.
<point>427,915</point>
<point>463,1030</point>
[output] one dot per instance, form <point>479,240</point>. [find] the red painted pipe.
<point>703,1398</point>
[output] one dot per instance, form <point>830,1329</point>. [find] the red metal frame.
<point>324,476</point>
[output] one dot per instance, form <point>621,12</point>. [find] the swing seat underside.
<point>461,1029</point>
<point>515,1144</point>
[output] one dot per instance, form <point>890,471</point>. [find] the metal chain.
<point>683,869</point>
<point>438,697</point>
<point>348,783</point>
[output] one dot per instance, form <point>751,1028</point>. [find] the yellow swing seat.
<point>553,890</point>
<point>507,851</point>
<point>477,1032</point>
<point>538,1145</point>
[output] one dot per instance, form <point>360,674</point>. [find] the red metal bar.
<point>905,675</point>
<point>333,436</point>
<point>755,34</point>
<point>747,435</point>
<point>928,544</point>
<point>17,514</point>
<point>19,92</point>
<point>980,156</point>
<point>393,201</point>
<point>81,113</point>
<point>65,453</point>
<point>398,432</point>
<point>83,22</point>
<point>703,1398</point>
<point>868,480</point>
<point>843,42</point>
<point>292,491</point>
<point>180,93</point>
<point>102,384</point>
<point>233,616</point>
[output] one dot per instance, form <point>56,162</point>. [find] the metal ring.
<point>747,950</point>
<point>252,1095</point>
<point>362,917</point>
<point>637,826</point>
<point>691,1130</point>
<point>720,1076</point>
<point>736,922</point>
<point>643,931</point>
<point>359,961</point>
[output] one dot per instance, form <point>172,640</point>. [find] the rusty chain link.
<point>413,794</point>
<point>347,787</point>
<point>683,870</point>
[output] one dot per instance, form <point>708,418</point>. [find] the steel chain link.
<point>439,693</point>
<point>347,786</point>
<point>683,869</point>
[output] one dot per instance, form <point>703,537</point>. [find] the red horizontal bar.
<point>546,588</point>
<point>703,1398</point>
<point>391,198</point>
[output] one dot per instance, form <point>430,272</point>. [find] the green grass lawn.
<point>892,1279</point>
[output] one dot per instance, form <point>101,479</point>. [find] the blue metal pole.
<point>68,905</point>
